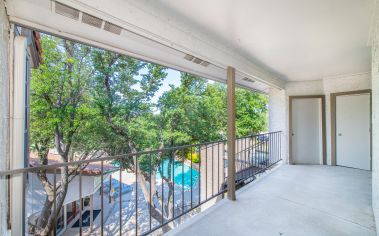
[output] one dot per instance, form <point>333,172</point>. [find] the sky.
<point>173,78</point>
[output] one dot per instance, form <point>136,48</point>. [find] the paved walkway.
<point>293,200</point>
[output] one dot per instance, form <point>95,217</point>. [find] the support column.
<point>231,102</point>
<point>18,131</point>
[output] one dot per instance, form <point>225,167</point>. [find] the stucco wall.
<point>279,103</point>
<point>4,110</point>
<point>278,118</point>
<point>375,121</point>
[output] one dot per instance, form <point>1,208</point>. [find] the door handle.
<point>339,134</point>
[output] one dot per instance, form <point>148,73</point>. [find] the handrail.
<point>115,157</point>
<point>254,154</point>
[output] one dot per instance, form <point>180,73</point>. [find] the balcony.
<point>162,191</point>
<point>293,200</point>
<point>316,171</point>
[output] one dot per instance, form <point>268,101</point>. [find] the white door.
<point>306,131</point>
<point>353,131</point>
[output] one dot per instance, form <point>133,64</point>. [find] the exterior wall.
<point>35,194</point>
<point>279,101</point>
<point>278,118</point>
<point>375,121</point>
<point>336,85</point>
<point>4,111</point>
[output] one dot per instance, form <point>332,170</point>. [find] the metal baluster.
<point>199,174</point>
<point>218,167</point>
<point>249,155</point>
<point>276,146</point>
<point>120,197</point>
<point>280,148</point>
<point>245,149</point>
<point>81,203</point>
<point>237,157</point>
<point>191,177</point>
<point>162,203</point>
<point>254,151</point>
<point>173,185</point>
<point>136,195</point>
<point>273,143</point>
<point>102,199</point>
<point>151,182</point>
<point>55,201</point>
<point>183,150</point>
<point>212,169</point>
<point>268,150</point>
<point>206,171</point>
<point>260,152</point>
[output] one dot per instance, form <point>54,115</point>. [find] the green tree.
<point>87,101</point>
<point>122,90</point>
<point>60,117</point>
<point>251,112</point>
<point>194,112</point>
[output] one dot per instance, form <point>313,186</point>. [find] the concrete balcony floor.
<point>293,200</point>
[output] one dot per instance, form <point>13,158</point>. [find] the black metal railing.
<point>138,193</point>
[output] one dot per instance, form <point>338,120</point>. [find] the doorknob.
<point>339,134</point>
<point>293,134</point>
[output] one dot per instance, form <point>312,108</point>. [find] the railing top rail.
<point>116,157</point>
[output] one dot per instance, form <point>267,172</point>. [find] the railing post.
<point>231,132</point>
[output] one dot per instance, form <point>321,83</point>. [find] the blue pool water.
<point>181,173</point>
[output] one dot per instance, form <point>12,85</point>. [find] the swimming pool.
<point>181,173</point>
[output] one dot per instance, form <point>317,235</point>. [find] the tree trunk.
<point>155,213</point>
<point>45,213</point>
<point>47,220</point>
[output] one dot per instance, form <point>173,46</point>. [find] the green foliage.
<point>192,154</point>
<point>101,100</point>
<point>251,112</point>
<point>60,103</point>
<point>86,100</point>
<point>122,91</point>
<point>193,112</point>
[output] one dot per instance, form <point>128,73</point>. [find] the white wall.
<point>375,120</point>
<point>4,110</point>
<point>35,194</point>
<point>278,117</point>
<point>279,103</point>
<point>336,85</point>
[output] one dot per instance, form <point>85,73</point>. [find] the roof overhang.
<point>143,35</point>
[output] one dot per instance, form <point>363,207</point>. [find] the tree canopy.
<point>86,102</point>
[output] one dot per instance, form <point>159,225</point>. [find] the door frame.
<point>323,119</point>
<point>333,113</point>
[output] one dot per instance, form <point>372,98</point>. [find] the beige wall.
<point>279,103</point>
<point>375,120</point>
<point>4,110</point>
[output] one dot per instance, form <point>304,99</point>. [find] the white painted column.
<point>231,101</point>
<point>375,119</point>
<point>17,142</point>
<point>6,43</point>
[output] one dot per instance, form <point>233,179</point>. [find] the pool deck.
<point>293,200</point>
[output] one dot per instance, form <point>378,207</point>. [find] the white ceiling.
<point>295,39</point>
